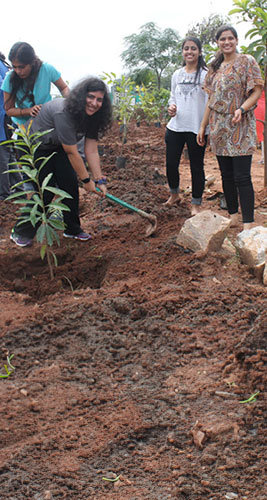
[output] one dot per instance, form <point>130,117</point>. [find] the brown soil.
<point>133,361</point>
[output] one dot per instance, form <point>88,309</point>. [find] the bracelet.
<point>86,180</point>
<point>103,180</point>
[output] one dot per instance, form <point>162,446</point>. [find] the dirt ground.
<point>132,364</point>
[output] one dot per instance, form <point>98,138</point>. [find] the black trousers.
<point>63,177</point>
<point>175,142</point>
<point>236,181</point>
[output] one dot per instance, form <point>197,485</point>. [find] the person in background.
<point>260,117</point>
<point>7,179</point>
<point>28,85</point>
<point>86,112</point>
<point>186,108</point>
<point>234,85</point>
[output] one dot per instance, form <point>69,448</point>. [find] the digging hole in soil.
<point>75,271</point>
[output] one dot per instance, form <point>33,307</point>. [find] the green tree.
<point>152,48</point>
<point>254,11</point>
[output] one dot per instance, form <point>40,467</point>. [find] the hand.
<point>201,136</point>
<point>237,116</point>
<point>35,110</point>
<point>103,189</point>
<point>172,110</point>
<point>90,187</point>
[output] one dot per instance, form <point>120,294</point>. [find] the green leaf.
<point>58,192</point>
<point>58,206</point>
<point>46,181</point>
<point>43,251</point>
<point>40,235</point>
<point>57,224</point>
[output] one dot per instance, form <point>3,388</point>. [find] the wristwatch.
<point>86,180</point>
<point>242,110</point>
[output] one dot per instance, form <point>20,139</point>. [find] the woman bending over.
<point>28,85</point>
<point>85,113</point>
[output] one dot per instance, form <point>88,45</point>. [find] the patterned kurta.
<point>228,88</point>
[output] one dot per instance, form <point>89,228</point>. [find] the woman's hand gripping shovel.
<point>152,218</point>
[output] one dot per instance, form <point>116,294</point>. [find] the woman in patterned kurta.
<point>234,85</point>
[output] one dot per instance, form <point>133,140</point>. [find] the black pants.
<point>236,181</point>
<point>65,178</point>
<point>175,142</point>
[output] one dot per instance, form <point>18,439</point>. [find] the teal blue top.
<point>41,90</point>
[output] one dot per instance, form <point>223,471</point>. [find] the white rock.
<point>252,247</point>
<point>205,231</point>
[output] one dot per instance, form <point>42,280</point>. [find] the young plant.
<point>9,368</point>
<point>153,102</point>
<point>124,101</point>
<point>35,211</point>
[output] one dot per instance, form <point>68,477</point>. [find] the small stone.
<point>231,496</point>
<point>24,392</point>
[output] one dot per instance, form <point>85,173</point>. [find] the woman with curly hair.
<point>234,85</point>
<point>28,85</point>
<point>85,113</point>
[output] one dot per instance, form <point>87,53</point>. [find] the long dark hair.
<point>217,61</point>
<point>24,53</point>
<point>75,105</point>
<point>201,64</point>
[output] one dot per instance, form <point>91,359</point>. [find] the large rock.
<point>252,247</point>
<point>204,232</point>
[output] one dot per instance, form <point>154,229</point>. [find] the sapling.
<point>124,89</point>
<point>9,368</point>
<point>35,211</point>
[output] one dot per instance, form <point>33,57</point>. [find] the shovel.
<point>152,218</point>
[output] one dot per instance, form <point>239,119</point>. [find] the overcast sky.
<point>81,38</point>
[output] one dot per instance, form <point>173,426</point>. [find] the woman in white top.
<point>186,107</point>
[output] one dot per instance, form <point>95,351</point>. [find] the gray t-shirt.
<point>53,115</point>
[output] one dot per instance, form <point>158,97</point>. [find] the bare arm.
<point>203,125</point>
<point>93,160</point>
<point>248,103</point>
<point>62,87</point>
<point>11,110</point>
<point>78,165</point>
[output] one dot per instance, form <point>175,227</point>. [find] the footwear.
<point>21,241</point>
<point>82,236</point>
<point>56,215</point>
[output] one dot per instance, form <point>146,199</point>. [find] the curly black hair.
<point>75,105</point>
<point>24,53</point>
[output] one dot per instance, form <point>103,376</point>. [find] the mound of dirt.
<point>132,364</point>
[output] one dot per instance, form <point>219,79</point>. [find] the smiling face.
<point>22,70</point>
<point>190,52</point>
<point>93,102</point>
<point>227,43</point>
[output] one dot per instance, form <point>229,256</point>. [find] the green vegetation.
<point>36,212</point>
<point>9,368</point>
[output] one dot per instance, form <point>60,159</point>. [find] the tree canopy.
<point>151,48</point>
